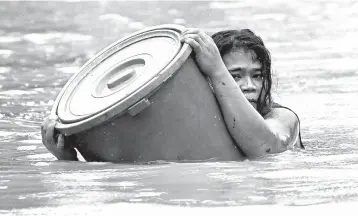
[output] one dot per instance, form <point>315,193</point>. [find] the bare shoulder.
<point>285,124</point>
<point>283,115</point>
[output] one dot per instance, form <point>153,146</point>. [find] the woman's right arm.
<point>254,135</point>
<point>55,142</point>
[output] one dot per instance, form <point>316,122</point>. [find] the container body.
<point>182,122</point>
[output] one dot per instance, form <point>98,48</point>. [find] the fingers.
<point>199,41</point>
<point>193,43</point>
<point>56,145</point>
<point>43,132</point>
<point>67,152</point>
<point>191,31</point>
<point>47,121</point>
<point>195,37</point>
<point>61,141</point>
<point>44,127</point>
<point>49,134</point>
<point>206,39</point>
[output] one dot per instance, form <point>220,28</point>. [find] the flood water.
<point>314,49</point>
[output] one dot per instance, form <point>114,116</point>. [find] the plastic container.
<point>143,98</point>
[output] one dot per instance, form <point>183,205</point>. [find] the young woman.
<point>238,66</point>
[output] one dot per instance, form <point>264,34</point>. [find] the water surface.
<point>314,51</point>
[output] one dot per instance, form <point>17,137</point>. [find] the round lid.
<point>119,76</point>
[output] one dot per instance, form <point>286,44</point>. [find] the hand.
<point>55,142</point>
<point>207,54</point>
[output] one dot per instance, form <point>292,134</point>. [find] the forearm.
<point>68,146</point>
<point>247,127</point>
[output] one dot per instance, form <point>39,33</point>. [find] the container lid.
<point>119,76</point>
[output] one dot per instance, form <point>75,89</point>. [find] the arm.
<point>254,134</point>
<point>55,143</point>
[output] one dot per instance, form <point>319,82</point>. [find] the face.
<point>246,70</point>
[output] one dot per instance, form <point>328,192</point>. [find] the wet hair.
<point>232,40</point>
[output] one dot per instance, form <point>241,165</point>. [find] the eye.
<point>257,76</point>
<point>236,76</point>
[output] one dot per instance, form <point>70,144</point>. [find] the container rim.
<point>121,108</point>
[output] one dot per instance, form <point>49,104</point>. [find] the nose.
<point>247,84</point>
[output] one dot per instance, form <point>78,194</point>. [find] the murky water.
<point>314,51</point>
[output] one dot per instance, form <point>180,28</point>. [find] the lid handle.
<point>121,78</point>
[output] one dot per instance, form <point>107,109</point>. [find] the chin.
<point>254,105</point>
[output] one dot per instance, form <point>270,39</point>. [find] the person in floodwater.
<point>238,66</point>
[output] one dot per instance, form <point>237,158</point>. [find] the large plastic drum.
<point>143,98</point>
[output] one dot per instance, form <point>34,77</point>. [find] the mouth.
<point>252,101</point>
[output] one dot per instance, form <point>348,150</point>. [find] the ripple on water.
<point>40,164</point>
<point>136,25</point>
<point>4,53</point>
<point>143,209</point>
<point>18,92</point>
<point>179,21</point>
<point>68,69</point>
<point>44,38</point>
<point>9,39</point>
<point>227,5</point>
<point>115,17</point>
<point>43,156</point>
<point>322,90</point>
<point>322,174</point>
<point>26,148</point>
